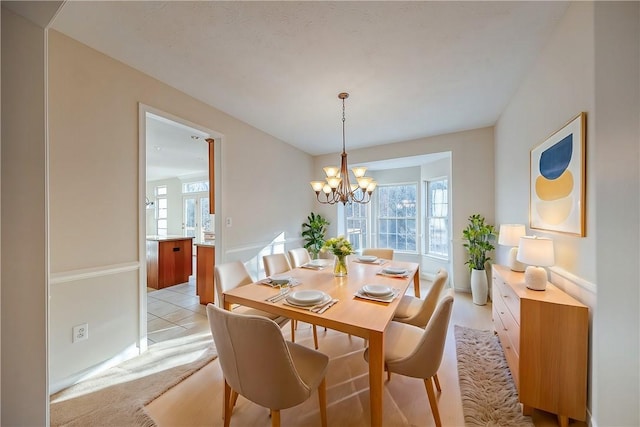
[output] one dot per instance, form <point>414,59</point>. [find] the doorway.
<point>174,165</point>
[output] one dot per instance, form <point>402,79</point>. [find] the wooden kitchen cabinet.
<point>205,263</point>
<point>544,335</point>
<point>169,260</point>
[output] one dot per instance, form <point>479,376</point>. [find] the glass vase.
<point>340,266</point>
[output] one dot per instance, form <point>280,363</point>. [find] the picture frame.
<point>558,180</point>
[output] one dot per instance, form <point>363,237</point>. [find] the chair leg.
<point>432,401</point>
<point>388,375</point>
<point>293,330</point>
<point>322,399</point>
<point>275,418</point>
<point>437,383</point>
<point>315,336</point>
<point>226,408</point>
<point>234,399</point>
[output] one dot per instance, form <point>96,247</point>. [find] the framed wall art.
<point>557,182</point>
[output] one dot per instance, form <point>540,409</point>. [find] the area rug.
<point>489,395</point>
<point>117,396</point>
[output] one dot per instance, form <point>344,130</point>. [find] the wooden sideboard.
<point>205,263</point>
<point>169,260</point>
<point>544,335</point>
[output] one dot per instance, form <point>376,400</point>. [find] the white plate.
<point>308,297</point>
<point>367,258</point>
<point>316,263</point>
<point>394,270</point>
<point>280,280</point>
<point>302,303</point>
<point>377,290</point>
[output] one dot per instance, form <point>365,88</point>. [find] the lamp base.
<point>514,264</point>
<point>535,278</point>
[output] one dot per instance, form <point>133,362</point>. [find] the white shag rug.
<point>117,396</point>
<point>489,395</point>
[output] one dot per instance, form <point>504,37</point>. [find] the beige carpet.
<point>489,395</point>
<point>116,397</point>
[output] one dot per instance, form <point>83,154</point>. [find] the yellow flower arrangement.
<point>339,246</point>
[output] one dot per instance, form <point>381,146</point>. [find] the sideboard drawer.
<point>507,345</point>
<point>508,322</point>
<point>509,297</point>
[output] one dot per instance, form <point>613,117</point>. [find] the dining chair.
<point>276,264</point>
<point>384,253</point>
<point>417,311</point>
<point>416,352</point>
<point>233,274</point>
<point>260,365</point>
<point>299,257</point>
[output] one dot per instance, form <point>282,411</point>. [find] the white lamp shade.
<point>536,251</point>
<point>510,234</point>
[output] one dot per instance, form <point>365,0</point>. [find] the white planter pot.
<point>479,287</point>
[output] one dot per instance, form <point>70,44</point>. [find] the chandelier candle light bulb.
<point>337,187</point>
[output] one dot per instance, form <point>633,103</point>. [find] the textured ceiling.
<point>413,69</point>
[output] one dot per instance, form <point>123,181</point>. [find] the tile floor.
<point>174,312</point>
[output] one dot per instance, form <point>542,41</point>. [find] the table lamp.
<point>510,235</point>
<point>537,252</point>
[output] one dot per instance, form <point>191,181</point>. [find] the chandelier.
<point>337,188</point>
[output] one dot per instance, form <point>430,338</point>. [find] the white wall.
<point>617,192</point>
<point>24,224</point>
<point>590,63</point>
<point>93,104</point>
<point>471,183</point>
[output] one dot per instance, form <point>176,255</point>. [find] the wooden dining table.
<point>353,315</point>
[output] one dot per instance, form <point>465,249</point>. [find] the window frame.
<point>379,217</point>
<point>428,217</point>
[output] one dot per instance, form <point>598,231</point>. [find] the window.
<point>397,217</point>
<point>437,236</point>
<point>195,187</point>
<point>162,218</point>
<point>356,215</point>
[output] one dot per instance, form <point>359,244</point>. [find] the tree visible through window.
<point>437,218</point>
<point>397,217</point>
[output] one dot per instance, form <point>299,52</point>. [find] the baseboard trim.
<point>129,353</point>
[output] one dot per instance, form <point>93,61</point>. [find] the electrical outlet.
<point>81,332</point>
<point>229,221</point>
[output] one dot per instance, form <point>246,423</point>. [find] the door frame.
<point>143,110</point>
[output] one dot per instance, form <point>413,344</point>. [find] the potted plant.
<point>478,237</point>
<point>313,232</point>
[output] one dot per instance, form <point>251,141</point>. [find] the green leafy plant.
<point>339,246</point>
<point>478,237</point>
<point>313,232</point>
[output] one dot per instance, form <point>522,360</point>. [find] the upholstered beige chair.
<point>416,311</point>
<point>276,264</point>
<point>260,365</point>
<point>230,275</point>
<point>416,352</point>
<point>384,253</point>
<point>299,256</point>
